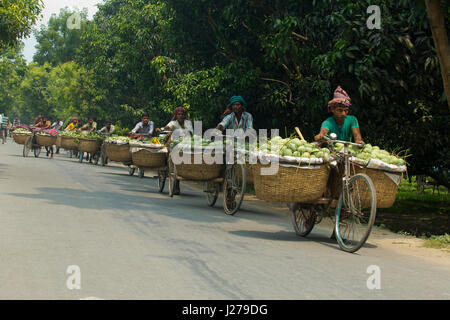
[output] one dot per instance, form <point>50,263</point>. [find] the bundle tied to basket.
<point>195,167</point>
<point>118,152</point>
<point>45,140</point>
<point>89,145</point>
<point>20,138</point>
<point>149,157</point>
<point>298,181</point>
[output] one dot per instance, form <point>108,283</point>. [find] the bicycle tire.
<point>211,197</point>
<point>349,212</point>
<point>303,219</point>
<point>234,187</point>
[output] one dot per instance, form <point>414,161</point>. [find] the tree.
<point>34,93</point>
<point>16,19</point>
<point>12,71</point>
<point>56,43</point>
<point>118,47</point>
<point>441,43</point>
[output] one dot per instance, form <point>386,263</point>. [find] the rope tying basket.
<point>198,172</point>
<point>386,184</point>
<point>89,145</point>
<point>45,141</point>
<point>20,138</point>
<point>149,159</point>
<point>291,183</point>
<point>68,143</point>
<point>118,152</point>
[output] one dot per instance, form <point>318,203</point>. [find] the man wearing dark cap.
<point>238,118</point>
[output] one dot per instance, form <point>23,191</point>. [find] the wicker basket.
<point>248,174</point>
<point>20,138</point>
<point>146,159</point>
<point>58,142</point>
<point>386,189</point>
<point>291,184</point>
<point>198,172</point>
<point>89,145</point>
<point>68,143</point>
<point>45,141</point>
<point>118,152</point>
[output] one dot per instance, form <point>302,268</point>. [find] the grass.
<point>410,202</point>
<point>421,214</point>
<point>438,242</point>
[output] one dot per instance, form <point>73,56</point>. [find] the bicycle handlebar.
<point>343,142</point>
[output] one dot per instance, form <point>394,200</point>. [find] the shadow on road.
<point>120,203</point>
<point>291,236</point>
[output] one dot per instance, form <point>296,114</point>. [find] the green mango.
<point>306,155</point>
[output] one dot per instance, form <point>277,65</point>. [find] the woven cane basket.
<point>146,159</point>
<point>58,142</point>
<point>118,152</point>
<point>248,173</point>
<point>89,145</point>
<point>68,143</point>
<point>291,184</point>
<point>20,138</point>
<point>198,172</point>
<point>386,189</point>
<point>45,141</point>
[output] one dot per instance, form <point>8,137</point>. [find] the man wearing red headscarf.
<point>179,121</point>
<point>342,124</point>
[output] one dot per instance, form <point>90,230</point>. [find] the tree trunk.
<point>441,43</point>
<point>420,180</point>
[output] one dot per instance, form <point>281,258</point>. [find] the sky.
<point>53,6</point>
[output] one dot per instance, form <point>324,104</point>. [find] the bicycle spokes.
<point>355,213</point>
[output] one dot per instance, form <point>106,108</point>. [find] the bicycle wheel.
<point>233,188</point>
<point>161,180</point>
<point>355,213</point>
<point>27,146</point>
<point>303,218</point>
<point>131,171</point>
<point>37,151</point>
<point>141,173</point>
<point>172,178</point>
<point>212,193</point>
<point>96,158</point>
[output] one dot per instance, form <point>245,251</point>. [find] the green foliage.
<point>16,19</point>
<point>284,57</point>
<point>56,42</point>
<point>12,70</point>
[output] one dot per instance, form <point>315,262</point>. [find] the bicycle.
<point>355,209</point>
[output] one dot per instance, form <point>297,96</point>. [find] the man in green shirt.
<point>343,125</point>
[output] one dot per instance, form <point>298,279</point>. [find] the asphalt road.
<point>131,242</point>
